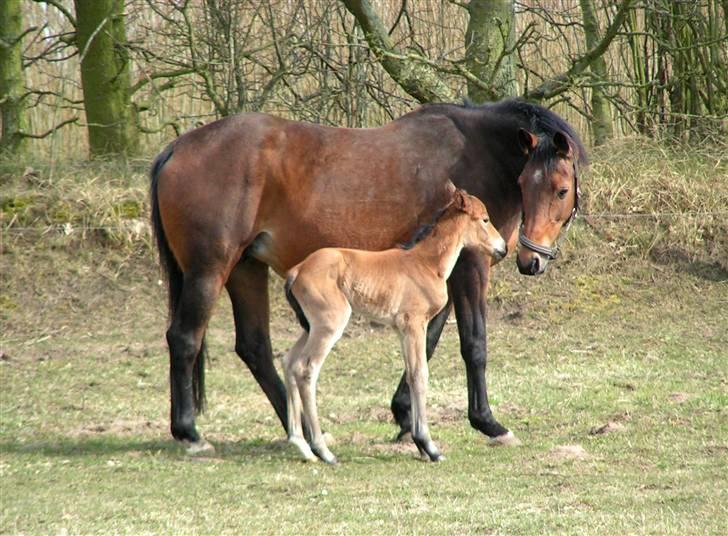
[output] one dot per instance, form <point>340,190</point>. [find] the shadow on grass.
<point>228,450</point>
<point>680,260</point>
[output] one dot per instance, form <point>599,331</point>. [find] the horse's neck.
<point>440,250</point>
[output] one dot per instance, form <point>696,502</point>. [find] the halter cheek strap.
<point>553,252</point>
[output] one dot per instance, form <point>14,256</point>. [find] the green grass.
<point>607,335</point>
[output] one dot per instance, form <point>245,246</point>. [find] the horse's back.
<point>302,186</point>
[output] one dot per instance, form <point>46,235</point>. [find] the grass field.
<point>612,369</point>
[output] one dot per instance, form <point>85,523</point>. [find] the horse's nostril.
<point>535,265</point>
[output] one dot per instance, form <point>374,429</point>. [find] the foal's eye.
<point>562,193</point>
<point>485,220</point>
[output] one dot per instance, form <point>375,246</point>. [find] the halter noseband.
<point>553,252</point>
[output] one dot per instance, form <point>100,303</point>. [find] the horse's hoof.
<point>504,440</point>
<point>198,448</point>
<point>302,448</point>
<point>438,458</point>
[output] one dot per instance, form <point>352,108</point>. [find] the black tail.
<point>295,305</point>
<point>174,276</point>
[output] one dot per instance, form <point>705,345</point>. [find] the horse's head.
<point>478,231</point>
<point>550,191</point>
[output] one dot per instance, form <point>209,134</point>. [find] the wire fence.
<point>138,226</point>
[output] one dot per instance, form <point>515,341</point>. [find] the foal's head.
<point>550,192</point>
<point>477,230</point>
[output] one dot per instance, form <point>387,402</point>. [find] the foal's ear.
<point>461,201</point>
<point>561,143</point>
<point>526,140</point>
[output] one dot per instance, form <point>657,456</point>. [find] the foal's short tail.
<point>294,302</point>
<point>174,276</point>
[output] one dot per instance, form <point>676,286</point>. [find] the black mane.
<point>540,121</point>
<point>423,231</point>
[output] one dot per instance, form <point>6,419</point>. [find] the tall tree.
<point>489,40</point>
<point>601,120</point>
<point>101,40</point>
<point>12,84</point>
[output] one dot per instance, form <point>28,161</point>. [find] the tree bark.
<point>100,37</point>
<point>489,40</point>
<point>601,123</point>
<point>417,78</point>
<point>12,83</point>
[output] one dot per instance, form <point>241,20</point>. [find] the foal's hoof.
<point>198,448</point>
<point>504,440</point>
<point>302,448</point>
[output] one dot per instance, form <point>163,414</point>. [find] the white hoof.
<point>505,440</point>
<point>303,448</point>
<point>198,448</point>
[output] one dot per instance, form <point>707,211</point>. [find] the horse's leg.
<point>401,399</point>
<point>295,429</point>
<point>320,341</point>
<point>413,348</point>
<point>468,291</point>
<point>247,286</point>
<point>184,337</point>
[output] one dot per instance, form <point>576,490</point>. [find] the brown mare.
<point>249,192</point>
<point>402,288</point>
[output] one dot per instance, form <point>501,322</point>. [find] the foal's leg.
<point>247,286</point>
<point>401,399</point>
<point>291,363</point>
<point>184,338</point>
<point>468,290</point>
<point>322,338</point>
<point>413,346</point>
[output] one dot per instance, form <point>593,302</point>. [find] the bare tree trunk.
<point>101,36</point>
<point>601,123</point>
<point>12,83</point>
<point>489,39</point>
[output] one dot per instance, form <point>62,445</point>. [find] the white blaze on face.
<point>537,175</point>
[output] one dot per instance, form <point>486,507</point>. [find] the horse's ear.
<point>450,188</point>
<point>526,140</point>
<point>461,201</point>
<point>561,143</point>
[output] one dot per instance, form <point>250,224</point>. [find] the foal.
<point>404,288</point>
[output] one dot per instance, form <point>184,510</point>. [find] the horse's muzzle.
<point>535,266</point>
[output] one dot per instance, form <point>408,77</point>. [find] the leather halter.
<point>553,252</point>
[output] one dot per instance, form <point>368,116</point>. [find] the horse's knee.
<point>253,348</point>
<point>183,347</point>
<point>474,352</point>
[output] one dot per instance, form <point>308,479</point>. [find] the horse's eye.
<point>485,220</point>
<point>562,193</point>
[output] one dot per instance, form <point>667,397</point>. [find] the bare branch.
<point>560,83</point>
<point>60,7</point>
<point>49,131</point>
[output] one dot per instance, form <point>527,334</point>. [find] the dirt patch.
<point>608,428</point>
<point>126,427</point>
<point>568,452</point>
<point>679,397</point>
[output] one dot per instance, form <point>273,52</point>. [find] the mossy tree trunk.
<point>489,40</point>
<point>601,120</point>
<point>417,78</point>
<point>101,39</point>
<point>12,84</point>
